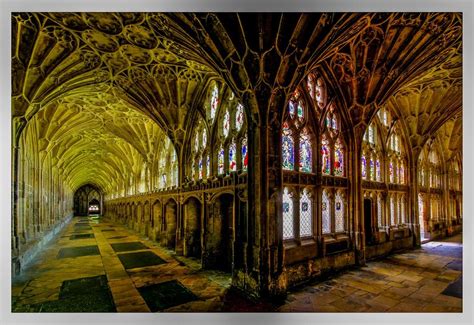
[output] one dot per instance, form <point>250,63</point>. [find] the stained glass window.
<point>377,170</point>
<point>311,85</point>
<point>245,158</point>
<point>226,124</point>
<point>214,101</point>
<point>306,224</point>
<point>288,231</point>
<point>392,211</point>
<point>204,138</point>
<point>239,117</point>
<point>220,161</point>
<point>397,148</point>
<point>196,144</point>
<point>305,153</point>
<point>232,157</point>
<point>338,159</point>
<point>200,168</point>
<point>291,108</point>
<point>402,175</point>
<point>300,109</point>
<point>371,134</point>
<point>363,164</point>
<point>288,151</point>
<point>326,156</point>
<point>208,166</point>
<point>390,169</point>
<point>379,211</point>
<point>193,170</point>
<point>372,169</point>
<point>339,212</point>
<point>163,181</point>
<point>319,93</point>
<point>326,214</point>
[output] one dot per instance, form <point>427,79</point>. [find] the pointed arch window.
<point>220,160</point>
<point>379,210</point>
<point>226,124</point>
<point>297,150</point>
<point>245,158</point>
<point>325,156</point>
<point>214,101</point>
<point>239,117</point>
<point>338,158</point>
<point>339,212</point>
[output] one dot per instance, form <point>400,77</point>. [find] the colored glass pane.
<point>326,157</point>
<point>214,101</point>
<point>226,124</point>
<point>363,164</point>
<point>390,170</point>
<point>288,232</point>
<point>204,138</point>
<point>338,159</point>
<point>305,154</point>
<point>291,108</point>
<point>232,157</point>
<point>208,166</point>
<point>288,151</point>
<point>245,158</point>
<point>220,161</point>
<point>239,117</point>
<point>200,168</point>
<point>377,170</point>
<point>300,109</point>
<point>379,211</point>
<point>306,224</point>
<point>372,170</point>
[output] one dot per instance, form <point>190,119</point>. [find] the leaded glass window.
<point>300,109</point>
<point>220,161</point>
<point>377,170</point>
<point>288,231</point>
<point>232,157</point>
<point>305,154</point>
<point>326,213</point>
<point>306,222</point>
<point>291,108</point>
<point>208,166</point>
<point>239,117</point>
<point>204,138</point>
<point>371,134</point>
<point>288,151</point>
<point>200,168</point>
<point>372,169</point>
<point>338,159</point>
<point>363,164</point>
<point>310,84</point>
<point>245,158</point>
<point>226,124</point>
<point>325,156</point>
<point>339,212</point>
<point>402,208</point>
<point>214,101</point>
<point>390,170</point>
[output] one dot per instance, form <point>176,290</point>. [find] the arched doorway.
<point>219,234</point>
<point>192,228</point>
<point>87,200</point>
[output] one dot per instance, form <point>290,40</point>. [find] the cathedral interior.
<point>236,162</point>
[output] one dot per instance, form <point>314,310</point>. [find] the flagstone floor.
<point>96,266</point>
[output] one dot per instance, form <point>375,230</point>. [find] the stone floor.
<point>95,266</point>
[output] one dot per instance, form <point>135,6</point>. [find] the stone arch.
<point>192,209</point>
<point>170,224</point>
<point>219,233</point>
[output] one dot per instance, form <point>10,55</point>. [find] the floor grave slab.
<point>454,289</point>
<point>81,236</point>
<point>78,251</point>
<point>90,294</point>
<point>166,295</point>
<point>140,259</point>
<point>130,246</point>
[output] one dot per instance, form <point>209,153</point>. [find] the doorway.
<point>94,207</point>
<point>368,224</point>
